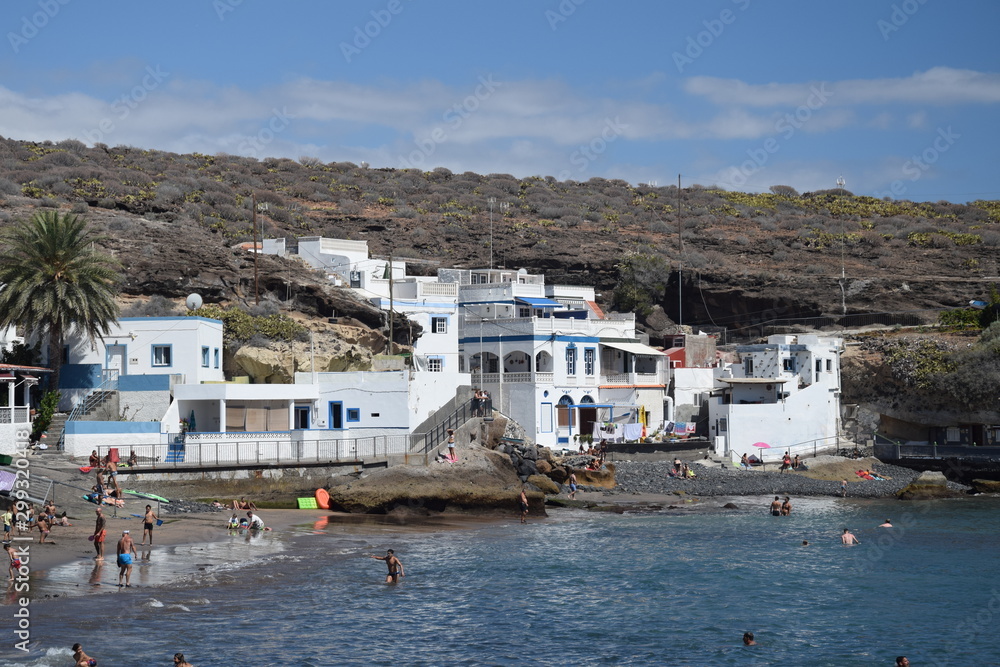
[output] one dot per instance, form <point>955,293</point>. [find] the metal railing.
<point>92,400</point>
<point>423,443</point>
<point>897,451</point>
<point>190,453</point>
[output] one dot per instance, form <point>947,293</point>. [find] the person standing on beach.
<point>524,506</point>
<point>126,551</point>
<point>14,564</point>
<point>848,538</point>
<point>776,506</point>
<point>843,488</point>
<point>452,454</point>
<point>394,564</point>
<point>572,486</point>
<point>147,525</point>
<point>99,533</point>
<point>82,659</point>
<point>8,523</point>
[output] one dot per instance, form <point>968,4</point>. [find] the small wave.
<point>51,657</point>
<point>154,603</point>
<point>178,606</point>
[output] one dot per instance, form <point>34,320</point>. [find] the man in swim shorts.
<point>524,506</point>
<point>776,507</point>
<point>394,565</point>
<point>126,551</point>
<point>572,486</point>
<point>147,525</point>
<point>848,538</point>
<point>99,534</point>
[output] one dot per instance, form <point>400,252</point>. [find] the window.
<point>353,414</point>
<point>162,355</point>
<point>571,361</point>
<point>819,365</point>
<point>216,357</point>
<point>588,361</point>
<point>748,367</point>
<point>524,312</point>
<point>204,357</point>
<point>788,364</point>
<point>829,365</point>
<point>439,325</point>
<point>435,364</point>
<point>723,425</point>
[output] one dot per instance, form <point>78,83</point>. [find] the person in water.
<point>748,639</point>
<point>524,506</point>
<point>776,507</point>
<point>887,524</point>
<point>394,564</point>
<point>848,538</point>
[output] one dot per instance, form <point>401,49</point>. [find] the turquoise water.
<point>577,588</point>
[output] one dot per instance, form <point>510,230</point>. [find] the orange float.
<point>323,499</point>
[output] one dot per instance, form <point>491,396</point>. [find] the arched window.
<point>563,411</point>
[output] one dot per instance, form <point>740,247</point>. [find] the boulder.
<point>986,485</point>
<point>526,467</point>
<point>543,466</point>
<point>559,474</point>
<point>927,486</point>
<point>544,484</point>
<point>604,478</point>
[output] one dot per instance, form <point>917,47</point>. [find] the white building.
<point>550,358</point>
<point>144,355</point>
<point>16,383</point>
<point>785,393</point>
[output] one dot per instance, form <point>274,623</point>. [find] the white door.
<point>117,359</point>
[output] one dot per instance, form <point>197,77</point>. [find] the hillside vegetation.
<point>744,259</point>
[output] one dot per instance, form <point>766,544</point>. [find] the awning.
<point>635,348</point>
<point>535,302</point>
<point>754,380</point>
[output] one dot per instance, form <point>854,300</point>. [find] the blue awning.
<point>538,303</point>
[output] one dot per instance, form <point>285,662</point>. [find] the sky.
<point>899,98</point>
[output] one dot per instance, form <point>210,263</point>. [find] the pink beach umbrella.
<point>761,446</point>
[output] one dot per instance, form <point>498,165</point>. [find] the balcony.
<point>510,378</point>
<point>626,379</point>
<point>15,415</point>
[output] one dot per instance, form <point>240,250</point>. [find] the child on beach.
<point>15,562</point>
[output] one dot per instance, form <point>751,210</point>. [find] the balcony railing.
<point>14,415</point>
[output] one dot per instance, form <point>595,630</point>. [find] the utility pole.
<point>256,283</point>
<point>491,201</point>
<point>680,259</point>
<point>390,305</point>
<point>843,242</point>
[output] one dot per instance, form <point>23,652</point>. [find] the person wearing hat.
<point>126,550</point>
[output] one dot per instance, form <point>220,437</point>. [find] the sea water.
<point>577,588</point>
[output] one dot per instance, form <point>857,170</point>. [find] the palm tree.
<point>53,281</point>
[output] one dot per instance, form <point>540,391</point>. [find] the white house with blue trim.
<point>144,357</point>
<point>551,359</point>
<point>785,393</point>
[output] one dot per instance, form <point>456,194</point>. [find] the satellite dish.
<point>522,272</point>
<point>193,301</point>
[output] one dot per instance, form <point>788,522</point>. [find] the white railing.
<point>544,378</point>
<point>237,436</point>
<point>615,378</point>
<point>634,378</point>
<point>287,451</point>
<point>439,289</point>
<point>15,415</point>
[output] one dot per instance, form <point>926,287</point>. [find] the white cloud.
<point>940,85</point>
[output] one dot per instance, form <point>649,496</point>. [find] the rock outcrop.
<point>927,486</point>
<point>482,480</point>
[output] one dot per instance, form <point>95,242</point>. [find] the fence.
<point>763,329</point>
<point>805,448</point>
<point>895,451</point>
<point>197,449</point>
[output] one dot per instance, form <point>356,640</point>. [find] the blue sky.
<point>899,97</point>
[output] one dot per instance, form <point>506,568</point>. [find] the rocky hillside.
<point>742,260</point>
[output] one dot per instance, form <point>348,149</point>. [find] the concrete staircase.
<point>54,435</point>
